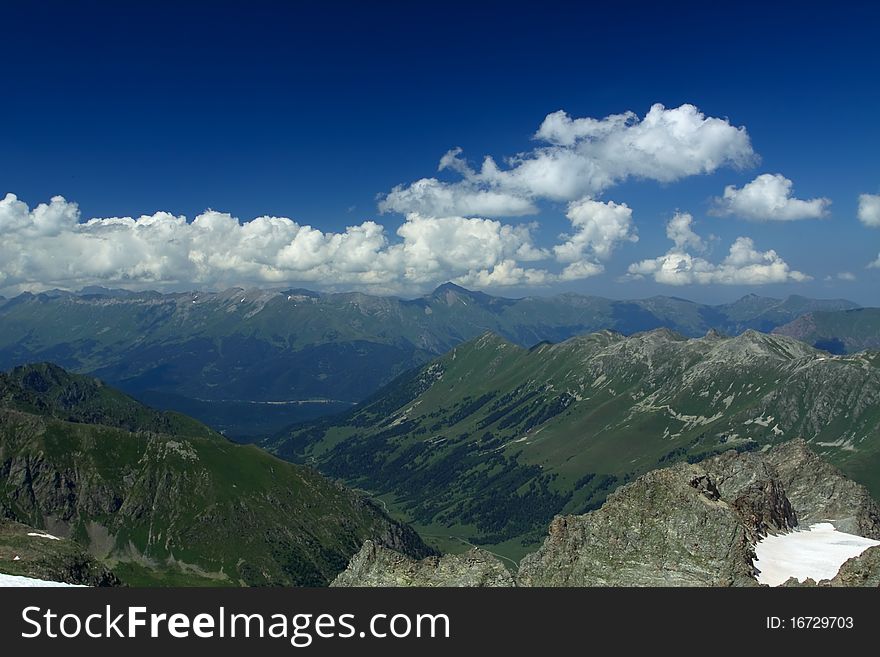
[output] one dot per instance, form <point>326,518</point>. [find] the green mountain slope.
<point>845,331</point>
<point>200,352</point>
<point>162,507</point>
<point>490,441</point>
<point>46,389</point>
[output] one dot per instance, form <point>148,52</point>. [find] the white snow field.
<point>16,580</point>
<point>818,553</point>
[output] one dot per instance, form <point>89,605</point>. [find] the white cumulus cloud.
<point>744,264</point>
<point>769,198</point>
<point>869,210</point>
<point>578,158</point>
<point>679,230</point>
<point>598,227</point>
<point>51,246</point>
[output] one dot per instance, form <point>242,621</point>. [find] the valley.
<point>489,442</point>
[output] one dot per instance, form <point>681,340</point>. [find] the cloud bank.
<point>579,158</point>
<point>769,198</point>
<point>51,246</point>
<point>744,264</point>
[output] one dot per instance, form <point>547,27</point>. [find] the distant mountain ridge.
<point>214,355</point>
<point>840,332</point>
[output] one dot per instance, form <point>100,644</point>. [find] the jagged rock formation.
<point>671,527</point>
<point>29,552</point>
<point>375,565</point>
<point>686,525</point>
<point>820,492</point>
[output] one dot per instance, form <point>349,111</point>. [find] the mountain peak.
<point>40,377</point>
<point>660,333</point>
<point>450,287</point>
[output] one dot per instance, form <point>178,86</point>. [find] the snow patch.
<point>18,581</point>
<point>44,535</point>
<point>761,421</point>
<point>842,443</point>
<point>818,553</point>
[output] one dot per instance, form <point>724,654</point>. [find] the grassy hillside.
<point>165,508</point>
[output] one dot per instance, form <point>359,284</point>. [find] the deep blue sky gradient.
<point>309,110</point>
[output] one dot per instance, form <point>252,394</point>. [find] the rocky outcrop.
<point>822,493</point>
<point>696,525</point>
<point>375,565</point>
<point>671,527</point>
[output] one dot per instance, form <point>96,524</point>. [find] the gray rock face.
<point>671,527</point>
<point>375,565</point>
<point>821,492</point>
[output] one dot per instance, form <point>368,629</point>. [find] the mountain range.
<point>489,442</point>
<point>161,499</point>
<point>250,362</point>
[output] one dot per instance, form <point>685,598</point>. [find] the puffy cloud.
<point>580,158</point>
<point>430,196</point>
<point>679,230</point>
<point>768,198</point>
<point>46,219</point>
<point>744,264</point>
<point>599,227</point>
<point>507,273</point>
<point>842,276</point>
<point>435,249</point>
<point>869,209</point>
<point>579,270</point>
<point>51,246</point>
<point>875,264</point>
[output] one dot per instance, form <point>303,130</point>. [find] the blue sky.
<point>315,113</point>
